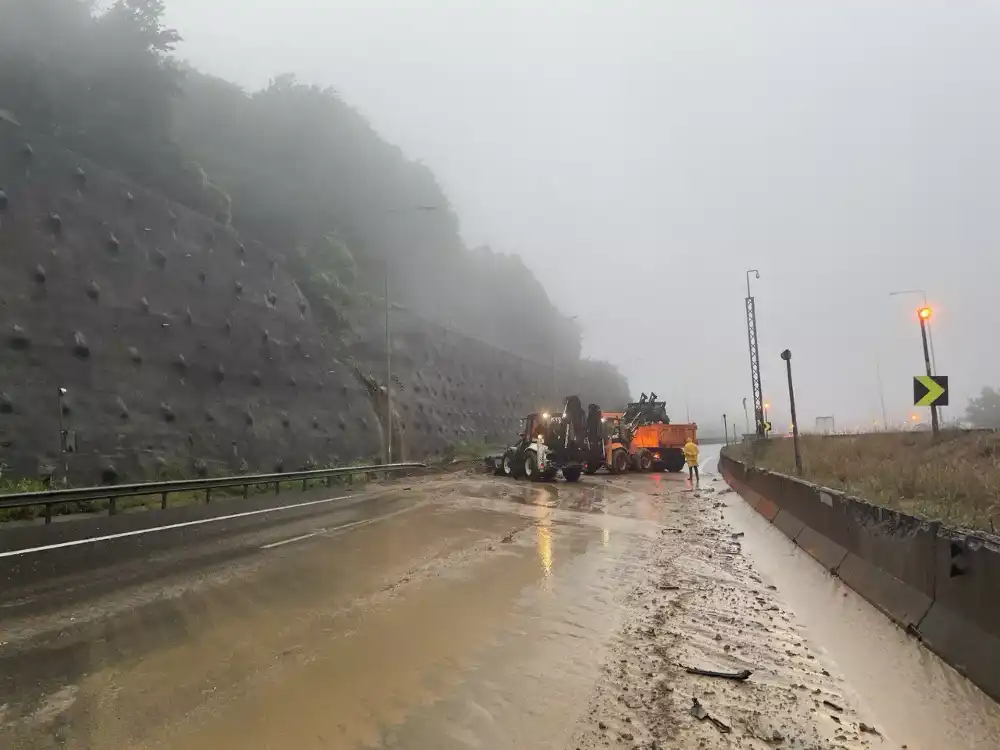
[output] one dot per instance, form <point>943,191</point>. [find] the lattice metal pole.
<point>758,393</point>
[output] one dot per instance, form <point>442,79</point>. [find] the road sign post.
<point>787,356</point>
<point>923,315</point>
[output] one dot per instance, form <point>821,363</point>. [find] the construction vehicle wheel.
<point>643,461</point>
<point>675,462</point>
<point>507,464</point>
<point>548,476</point>
<point>619,462</point>
<point>571,475</point>
<point>530,466</point>
<point>591,469</point>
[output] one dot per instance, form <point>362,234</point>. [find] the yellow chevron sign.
<point>930,390</point>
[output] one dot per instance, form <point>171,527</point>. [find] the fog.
<point>641,156</point>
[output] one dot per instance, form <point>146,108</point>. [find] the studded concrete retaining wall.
<point>940,584</point>
<point>184,349</point>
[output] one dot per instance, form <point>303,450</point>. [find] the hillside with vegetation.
<point>292,166</point>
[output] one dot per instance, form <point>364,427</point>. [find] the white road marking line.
<point>293,539</point>
<point>168,527</point>
<point>352,524</point>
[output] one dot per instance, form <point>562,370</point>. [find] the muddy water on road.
<point>477,619</point>
<point>499,614</point>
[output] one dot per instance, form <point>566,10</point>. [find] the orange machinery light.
<point>924,313</point>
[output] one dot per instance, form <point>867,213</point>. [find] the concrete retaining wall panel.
<point>788,524</point>
<point>901,545</point>
<point>968,578</point>
<point>962,643</point>
<point>766,508</point>
<point>825,551</point>
<point>904,604</point>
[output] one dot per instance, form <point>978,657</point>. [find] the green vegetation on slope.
<point>291,165</point>
<point>955,479</point>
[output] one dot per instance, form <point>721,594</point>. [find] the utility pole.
<point>388,373</point>
<point>758,393</point>
<point>725,428</point>
<point>881,393</point>
<point>746,415</point>
<point>787,356</point>
<point>924,315</point>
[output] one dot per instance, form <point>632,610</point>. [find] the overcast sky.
<point>641,155</point>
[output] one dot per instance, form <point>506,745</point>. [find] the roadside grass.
<point>954,479</point>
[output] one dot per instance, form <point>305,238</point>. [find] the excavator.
<point>566,442</point>
<point>642,438</point>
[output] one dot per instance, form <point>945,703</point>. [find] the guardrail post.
<point>305,484</point>
<point>112,506</point>
<point>277,488</point>
<point>208,495</point>
<point>246,491</point>
<point>48,513</point>
<point>329,481</point>
<point>163,501</point>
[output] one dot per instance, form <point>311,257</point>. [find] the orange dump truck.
<point>644,447</point>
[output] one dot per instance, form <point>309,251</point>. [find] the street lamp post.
<point>725,428</point>
<point>555,388</point>
<point>930,333</point>
<point>787,356</point>
<point>746,415</point>
<point>924,315</point>
<point>60,394</point>
<point>388,374</point>
<point>388,340</point>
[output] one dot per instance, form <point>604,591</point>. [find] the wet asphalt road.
<point>457,611</point>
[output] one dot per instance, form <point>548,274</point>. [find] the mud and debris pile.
<point>713,659</point>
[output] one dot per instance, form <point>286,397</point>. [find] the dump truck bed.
<point>658,436</point>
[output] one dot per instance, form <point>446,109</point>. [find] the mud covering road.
<point>457,611</point>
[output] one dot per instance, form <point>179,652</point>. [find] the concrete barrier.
<point>940,584</point>
<point>963,624</point>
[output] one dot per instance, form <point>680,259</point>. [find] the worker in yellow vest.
<point>691,456</point>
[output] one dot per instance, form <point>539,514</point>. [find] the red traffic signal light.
<point>924,313</point>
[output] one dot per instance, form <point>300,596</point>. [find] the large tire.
<point>507,464</point>
<point>591,469</point>
<point>643,460</point>
<point>619,462</point>
<point>571,475</point>
<point>529,466</point>
<point>674,461</point>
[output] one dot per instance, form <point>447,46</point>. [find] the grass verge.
<point>954,478</point>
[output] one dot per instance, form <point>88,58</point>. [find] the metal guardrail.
<point>111,492</point>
